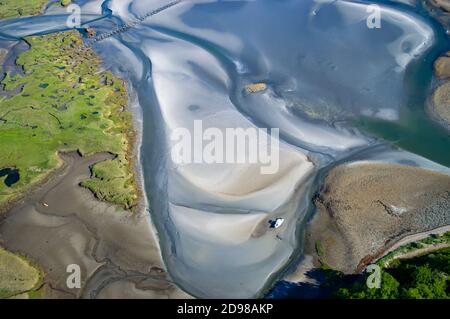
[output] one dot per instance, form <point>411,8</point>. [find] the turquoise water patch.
<point>420,135</point>
<point>415,131</point>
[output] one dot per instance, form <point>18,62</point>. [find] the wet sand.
<point>61,223</point>
<point>3,53</point>
<point>442,4</point>
<point>439,9</point>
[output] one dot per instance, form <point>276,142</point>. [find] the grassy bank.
<point>18,277</point>
<point>65,102</point>
<point>14,8</point>
<point>424,276</point>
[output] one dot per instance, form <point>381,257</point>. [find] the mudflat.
<point>61,224</point>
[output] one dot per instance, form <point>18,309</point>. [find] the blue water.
<point>12,176</point>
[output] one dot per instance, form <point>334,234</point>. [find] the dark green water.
<point>416,131</point>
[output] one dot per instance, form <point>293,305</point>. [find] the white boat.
<point>276,223</point>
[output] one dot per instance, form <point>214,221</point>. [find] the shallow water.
<point>12,176</point>
<point>325,71</point>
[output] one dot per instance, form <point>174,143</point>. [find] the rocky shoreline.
<point>365,208</point>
